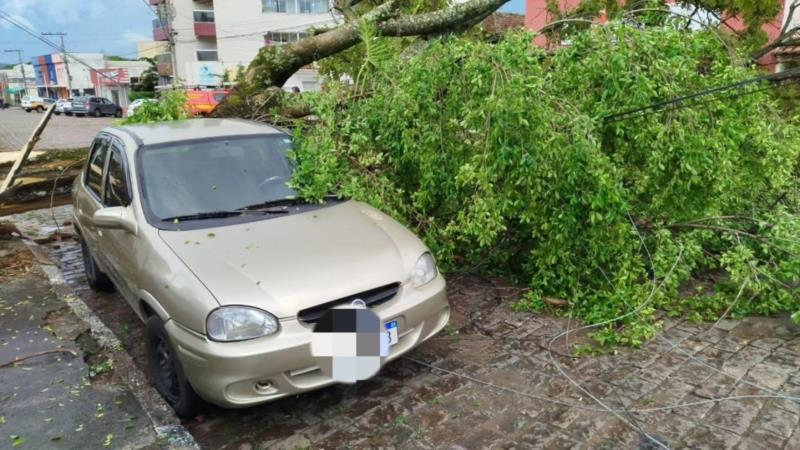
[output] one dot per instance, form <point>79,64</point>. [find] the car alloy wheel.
<point>118,113</point>
<point>97,112</point>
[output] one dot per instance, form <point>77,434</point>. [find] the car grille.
<point>372,298</point>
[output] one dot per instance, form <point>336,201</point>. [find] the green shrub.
<point>171,106</point>
<point>498,156</point>
<point>136,95</point>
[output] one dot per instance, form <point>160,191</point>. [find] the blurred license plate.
<point>391,330</point>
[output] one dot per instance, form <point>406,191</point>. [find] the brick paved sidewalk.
<point>409,405</point>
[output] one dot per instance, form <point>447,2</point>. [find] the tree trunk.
<point>275,64</point>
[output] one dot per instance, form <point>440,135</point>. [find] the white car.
<point>63,106</point>
<point>137,103</point>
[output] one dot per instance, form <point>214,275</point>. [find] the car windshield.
<point>193,178</point>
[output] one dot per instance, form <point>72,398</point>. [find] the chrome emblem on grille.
<point>358,303</point>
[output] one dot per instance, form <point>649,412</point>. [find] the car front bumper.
<point>240,374</point>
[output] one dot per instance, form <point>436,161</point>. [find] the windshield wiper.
<point>217,215</point>
<point>289,201</point>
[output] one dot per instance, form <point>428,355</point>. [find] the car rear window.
<point>94,172</point>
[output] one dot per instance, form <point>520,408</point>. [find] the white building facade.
<point>212,38</point>
<point>17,82</point>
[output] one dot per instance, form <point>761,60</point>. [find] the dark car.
<point>95,106</point>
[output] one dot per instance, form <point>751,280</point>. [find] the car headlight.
<point>238,323</point>
<point>424,270</point>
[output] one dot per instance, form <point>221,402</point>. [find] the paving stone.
<point>776,420</point>
<point>669,393</point>
<point>693,372</point>
<point>727,324</point>
<point>730,343</point>
<point>769,375</point>
<point>760,439</point>
<point>738,364</point>
<point>767,343</point>
<point>717,385</point>
<point>696,408</point>
<point>794,441</point>
<point>703,437</point>
<point>734,416</point>
<point>714,356</point>
<point>752,328</point>
<point>781,357</point>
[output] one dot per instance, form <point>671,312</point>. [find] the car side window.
<point>118,191</point>
<point>94,171</point>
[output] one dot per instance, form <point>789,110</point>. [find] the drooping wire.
<point>680,102</point>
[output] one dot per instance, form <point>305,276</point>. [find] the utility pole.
<point>170,16</point>
<point>66,62</point>
<point>22,67</point>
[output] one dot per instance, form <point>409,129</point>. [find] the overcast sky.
<point>106,26</point>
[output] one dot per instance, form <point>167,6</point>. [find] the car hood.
<point>289,263</point>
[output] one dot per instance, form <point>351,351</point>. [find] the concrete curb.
<point>169,431</point>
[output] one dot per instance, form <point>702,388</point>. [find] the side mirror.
<point>115,218</point>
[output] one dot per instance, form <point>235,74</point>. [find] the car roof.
<point>184,130</point>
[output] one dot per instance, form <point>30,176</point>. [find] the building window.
<point>203,16</point>
<point>296,6</point>
<point>283,37</point>
<point>207,55</point>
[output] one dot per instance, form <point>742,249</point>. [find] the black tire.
<point>98,113</point>
<point>56,113</point>
<point>97,279</point>
<point>118,113</point>
<point>166,372</point>
<point>39,109</point>
<point>27,110</point>
<point>68,113</point>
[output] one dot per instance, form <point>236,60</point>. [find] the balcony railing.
<point>205,29</point>
<point>160,31</point>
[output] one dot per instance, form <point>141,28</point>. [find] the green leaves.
<point>498,156</point>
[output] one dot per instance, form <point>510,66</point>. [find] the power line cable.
<point>658,106</point>
<point>8,18</point>
<point>693,104</point>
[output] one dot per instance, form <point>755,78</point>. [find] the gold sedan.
<point>195,225</point>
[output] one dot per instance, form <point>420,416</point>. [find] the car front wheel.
<point>97,112</point>
<point>118,113</point>
<point>97,279</point>
<point>166,371</point>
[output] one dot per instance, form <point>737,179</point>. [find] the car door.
<point>108,107</point>
<point>119,246</point>
<point>90,197</point>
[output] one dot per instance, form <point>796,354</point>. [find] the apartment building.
<point>210,38</point>
<point>538,13</point>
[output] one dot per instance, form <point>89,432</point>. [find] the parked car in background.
<point>195,224</point>
<point>201,103</point>
<point>137,103</point>
<point>63,106</point>
<point>95,106</point>
<point>38,104</point>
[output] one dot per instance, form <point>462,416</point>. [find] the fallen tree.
<point>502,158</point>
